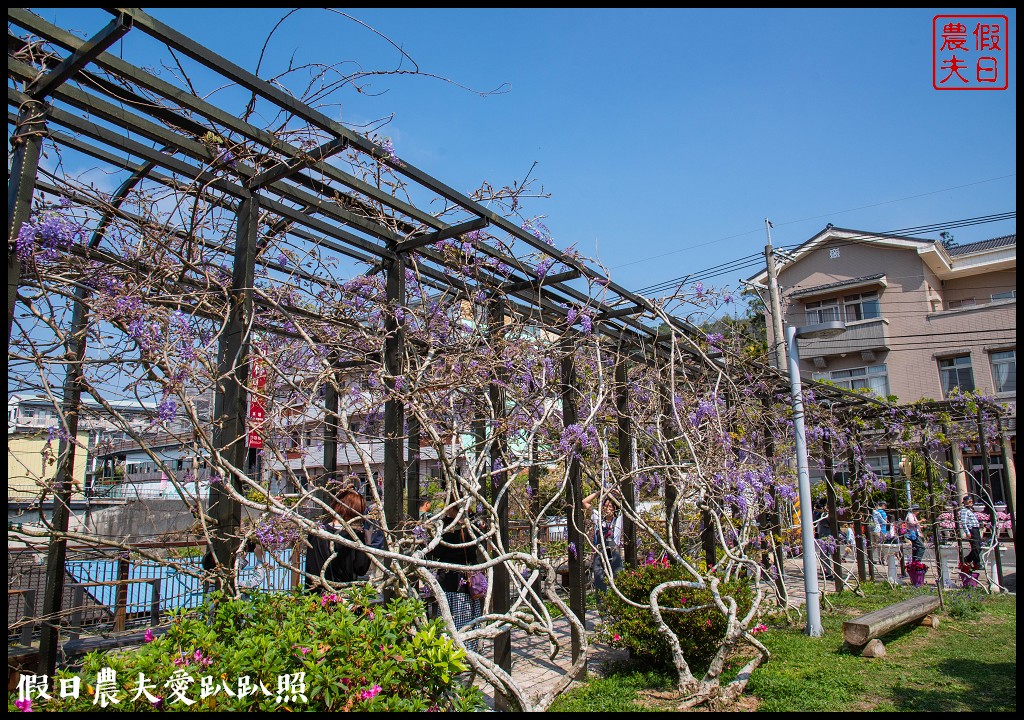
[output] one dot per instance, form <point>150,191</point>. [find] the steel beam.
<point>300,162</point>
<point>27,143</point>
<point>499,492</point>
<point>443,234</point>
<point>114,31</point>
<point>536,284</point>
<point>573,498</point>
<point>229,428</point>
<point>394,409</point>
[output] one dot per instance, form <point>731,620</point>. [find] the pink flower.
<point>616,637</point>
<point>305,650</point>
<point>149,636</point>
<point>24,705</point>
<point>371,693</point>
<point>709,622</point>
<point>760,628</point>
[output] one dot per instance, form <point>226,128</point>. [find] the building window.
<point>862,307</point>
<point>956,372</point>
<point>1004,371</point>
<point>874,378</point>
<point>1010,295</point>
<point>822,311</point>
<point>965,302</point>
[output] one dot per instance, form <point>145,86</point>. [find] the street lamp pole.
<point>810,553</point>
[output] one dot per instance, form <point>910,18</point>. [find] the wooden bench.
<point>862,634</point>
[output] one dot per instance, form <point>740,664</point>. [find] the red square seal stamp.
<point>970,52</point>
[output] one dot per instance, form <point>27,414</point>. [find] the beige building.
<point>922,319</point>
<point>31,465</point>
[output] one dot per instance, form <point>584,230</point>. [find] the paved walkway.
<point>533,670</point>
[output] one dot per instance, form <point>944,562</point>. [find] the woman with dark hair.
<point>332,561</point>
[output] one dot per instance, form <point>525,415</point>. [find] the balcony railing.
<point>860,336</point>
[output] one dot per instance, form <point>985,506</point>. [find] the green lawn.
<point>968,663</point>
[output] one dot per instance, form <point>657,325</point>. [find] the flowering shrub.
<point>985,520</point>
<point>916,565</point>
<point>700,632</point>
<point>355,655</point>
<point>965,604</point>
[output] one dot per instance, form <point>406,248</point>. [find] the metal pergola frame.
<point>316,202</point>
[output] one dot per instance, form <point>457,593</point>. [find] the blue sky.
<point>664,136</point>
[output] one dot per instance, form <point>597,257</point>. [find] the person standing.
<point>970,529</point>
<point>879,527</point>
<point>849,543</point>
<point>330,560</point>
<point>373,526</point>
<point>823,529</point>
<point>457,547</point>
<point>607,534</point>
<point>915,534</point>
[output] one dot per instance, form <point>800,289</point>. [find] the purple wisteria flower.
<point>577,437</point>
<point>706,408</point>
<point>543,266</point>
<point>52,231</point>
<point>166,410</point>
<point>225,157</point>
<point>275,533</point>
<point>587,323</point>
<point>538,229</point>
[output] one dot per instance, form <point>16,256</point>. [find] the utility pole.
<point>778,339</point>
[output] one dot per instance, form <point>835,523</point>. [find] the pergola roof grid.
<point>304,183</point>
<point>549,298</point>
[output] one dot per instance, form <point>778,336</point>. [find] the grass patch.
<point>967,664</point>
<point>621,690</point>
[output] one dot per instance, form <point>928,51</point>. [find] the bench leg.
<point>874,649</point>
<point>931,621</point>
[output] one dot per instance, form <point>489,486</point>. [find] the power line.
<point>866,239</point>
<point>814,217</point>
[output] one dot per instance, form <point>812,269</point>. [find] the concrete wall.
<point>150,520</point>
<point>140,520</point>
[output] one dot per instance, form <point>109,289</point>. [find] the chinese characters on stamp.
<point>970,52</point>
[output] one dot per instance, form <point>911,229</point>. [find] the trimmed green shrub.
<point>700,632</point>
<point>356,655</point>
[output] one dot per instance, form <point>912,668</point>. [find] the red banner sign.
<point>257,411</point>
